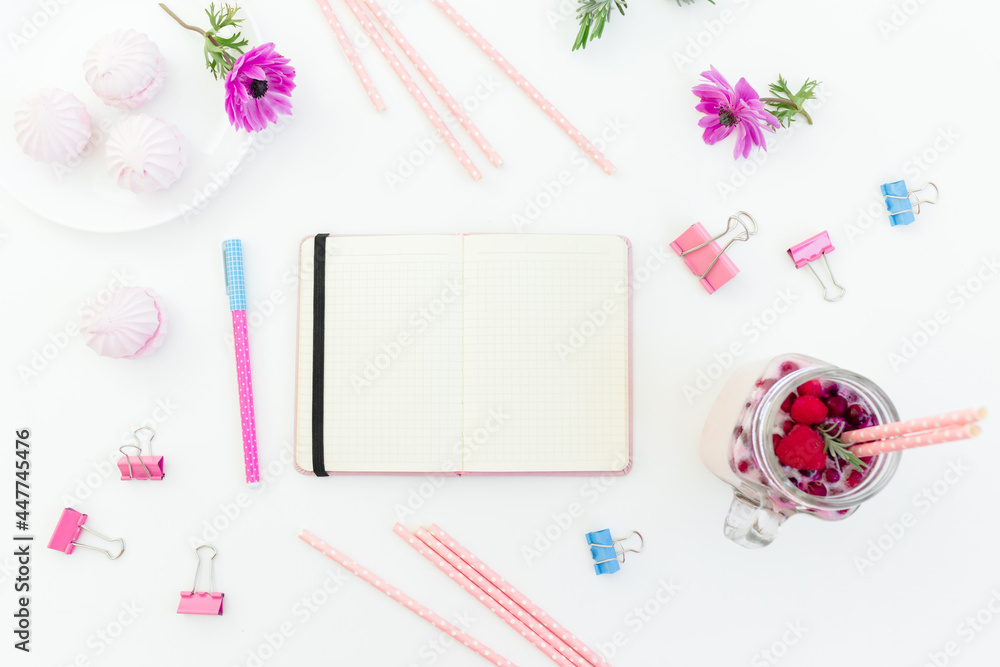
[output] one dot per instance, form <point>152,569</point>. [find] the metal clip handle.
<point>738,219</point>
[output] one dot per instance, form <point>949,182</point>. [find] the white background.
<point>888,99</point>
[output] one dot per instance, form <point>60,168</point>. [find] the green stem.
<point>197,30</point>
<point>786,103</point>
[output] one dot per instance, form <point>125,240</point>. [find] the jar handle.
<point>752,523</point>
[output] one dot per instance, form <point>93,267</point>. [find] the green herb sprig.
<point>786,105</point>
<point>221,51</point>
<point>595,14</point>
<point>838,450</point>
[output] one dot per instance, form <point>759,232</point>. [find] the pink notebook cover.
<point>586,473</point>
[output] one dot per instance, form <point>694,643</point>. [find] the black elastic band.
<point>319,344</point>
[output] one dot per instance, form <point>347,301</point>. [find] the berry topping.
<point>775,439</point>
<point>808,410</point>
<point>856,416</point>
<point>832,476</point>
<point>786,404</point>
<point>802,448</point>
<point>854,479</point>
<point>815,489</point>
<point>787,367</point>
<point>743,466</point>
<point>831,389</point>
<point>811,388</point>
<point>787,426</point>
<point>836,405</point>
<point>765,384</point>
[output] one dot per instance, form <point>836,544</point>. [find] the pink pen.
<point>233,253</point>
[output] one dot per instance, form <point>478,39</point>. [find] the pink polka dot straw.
<point>526,87</point>
<point>403,599</point>
<point>352,55</point>
<point>896,429</point>
<point>463,118</point>
<point>411,86</point>
<point>934,437</point>
<point>489,595</point>
<point>516,597</point>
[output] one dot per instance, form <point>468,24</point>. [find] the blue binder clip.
<point>903,209</point>
<point>608,552</point>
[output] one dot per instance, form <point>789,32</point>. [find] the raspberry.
<point>802,448</point>
<point>808,410</point>
<point>811,388</point>
<point>786,404</point>
<point>837,406</point>
<point>854,479</point>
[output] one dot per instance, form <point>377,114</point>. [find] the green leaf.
<point>595,14</point>
<point>838,450</point>
<point>786,105</point>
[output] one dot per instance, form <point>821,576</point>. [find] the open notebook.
<point>459,354</point>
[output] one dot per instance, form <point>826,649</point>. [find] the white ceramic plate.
<point>81,194</point>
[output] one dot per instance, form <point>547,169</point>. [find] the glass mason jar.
<point>748,419</point>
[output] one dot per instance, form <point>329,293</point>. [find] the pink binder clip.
<point>810,250</point>
<point>703,256</point>
<point>68,530</point>
<point>205,604</point>
<point>151,466</point>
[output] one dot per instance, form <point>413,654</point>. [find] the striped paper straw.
<point>937,436</point>
<point>352,55</point>
<point>518,597</point>
<point>442,92</point>
<point>403,599</point>
<point>957,418</point>
<point>414,90</point>
<point>431,549</point>
<point>526,86</point>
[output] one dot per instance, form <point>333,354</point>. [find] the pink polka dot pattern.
<point>935,437</point>
<point>956,418</point>
<point>403,599</point>
<point>493,598</point>
<point>439,89</point>
<point>352,55</point>
<point>247,420</point>
<point>527,88</point>
<point>520,599</point>
<point>414,90</point>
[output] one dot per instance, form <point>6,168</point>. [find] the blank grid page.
<point>546,353</point>
<point>393,364</point>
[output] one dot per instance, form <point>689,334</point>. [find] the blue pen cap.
<point>232,251</point>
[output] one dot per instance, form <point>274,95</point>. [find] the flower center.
<point>727,118</point>
<point>257,88</point>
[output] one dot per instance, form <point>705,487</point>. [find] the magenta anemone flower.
<point>258,88</point>
<point>727,109</point>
